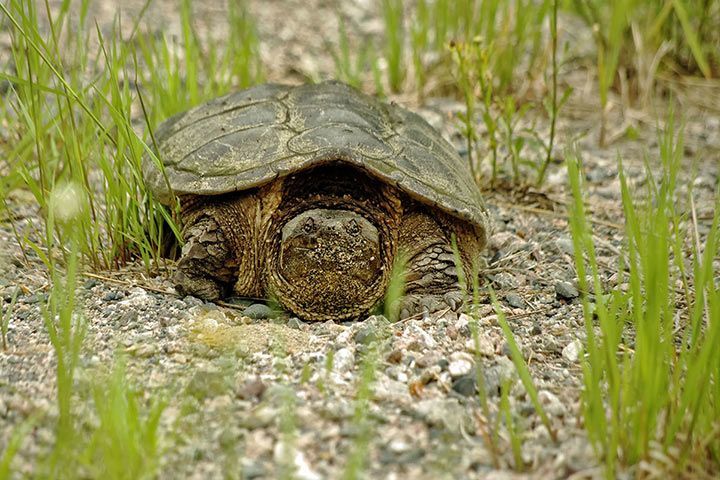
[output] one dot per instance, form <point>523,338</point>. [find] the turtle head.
<point>331,261</point>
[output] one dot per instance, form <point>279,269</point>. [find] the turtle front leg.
<point>432,281</point>
<point>208,266</point>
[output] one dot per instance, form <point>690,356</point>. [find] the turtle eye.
<point>308,225</point>
<point>352,227</point>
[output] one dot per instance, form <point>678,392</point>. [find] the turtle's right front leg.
<point>209,263</point>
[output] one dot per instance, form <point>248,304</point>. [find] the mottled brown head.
<point>330,263</point>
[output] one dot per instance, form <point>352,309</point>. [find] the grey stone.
<point>565,245</point>
<point>495,375</point>
<point>466,385</point>
<point>366,335</point>
<point>250,388</point>
<point>37,298</point>
<point>253,470</point>
<point>571,352</point>
<point>191,301</point>
<point>441,412</point>
<point>260,417</point>
<point>566,290</point>
<point>258,311</point>
<point>10,293</point>
<point>113,295</point>
<point>427,360</point>
<point>515,300</point>
<point>295,323</point>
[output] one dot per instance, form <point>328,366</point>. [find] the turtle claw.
<point>415,304</point>
<point>454,299</point>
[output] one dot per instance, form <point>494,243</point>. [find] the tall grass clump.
<point>125,443</point>
<point>412,55</point>
<point>120,439</point>
<point>393,16</point>
<point>64,134</point>
<point>652,366</point>
<point>492,54</point>
<point>77,104</point>
<point>487,83</point>
<point>639,36</point>
<point>510,29</point>
<point>178,75</point>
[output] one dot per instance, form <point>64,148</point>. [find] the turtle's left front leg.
<point>432,282</point>
<point>208,266</point>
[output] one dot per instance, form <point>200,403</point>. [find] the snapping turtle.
<point>309,193</point>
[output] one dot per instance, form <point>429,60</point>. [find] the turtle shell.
<point>249,138</point>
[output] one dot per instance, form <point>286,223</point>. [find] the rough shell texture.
<point>246,139</point>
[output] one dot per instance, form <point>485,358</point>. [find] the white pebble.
<point>463,321</point>
<point>343,360</point>
<point>344,337</point>
<point>571,352</point>
<point>303,471</point>
<point>459,365</point>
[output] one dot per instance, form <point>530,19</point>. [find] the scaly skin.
<point>323,243</point>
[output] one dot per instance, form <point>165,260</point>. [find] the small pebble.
<point>571,352</point>
<point>459,367</point>
<point>465,385</point>
<point>37,297</point>
<point>113,295</point>
<point>597,174</point>
<point>484,345</point>
<point>206,383</point>
<point>302,469</point>
<point>258,311</point>
<point>191,301</point>
<point>515,300</point>
<point>566,290</point>
<point>422,338</point>
<point>427,360</point>
<point>565,245</point>
<point>253,469</point>
<point>365,335</point>
<point>462,326</point>
<point>251,388</point>
<point>295,323</point>
<point>497,374</point>
<point>409,359</point>
<point>10,293</point>
<point>343,360</point>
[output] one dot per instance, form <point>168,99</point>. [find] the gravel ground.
<point>232,381</point>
